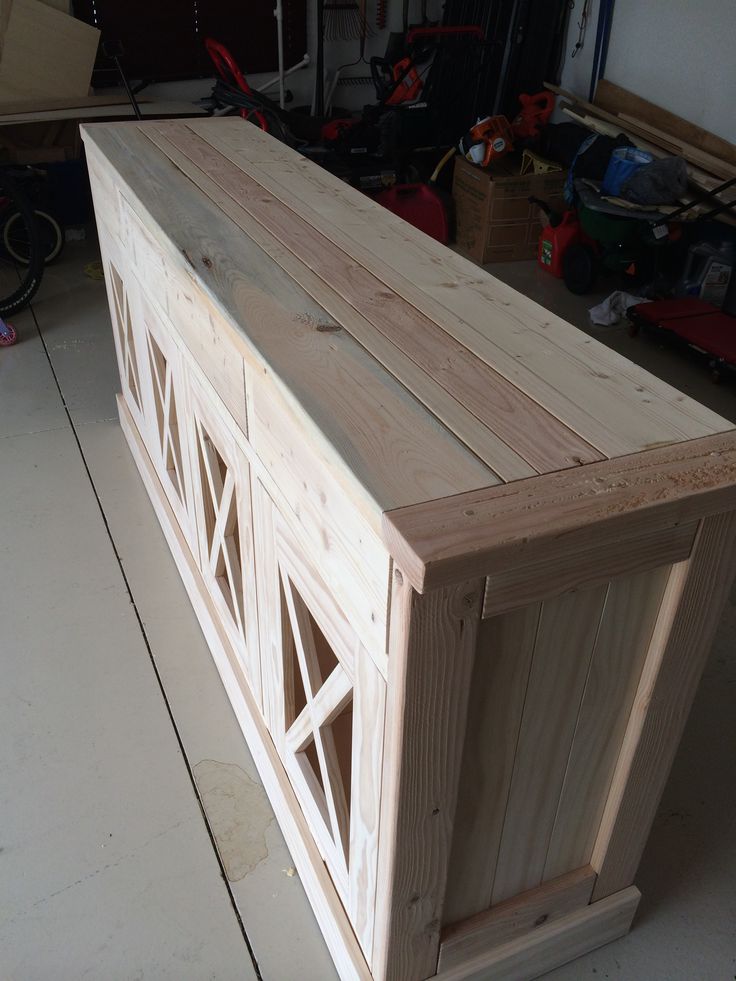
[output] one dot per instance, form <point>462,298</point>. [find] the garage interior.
<point>138,840</point>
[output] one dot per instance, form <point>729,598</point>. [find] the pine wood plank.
<point>520,585</point>
<point>271,319</point>
<point>566,636</point>
<point>503,658</point>
<point>620,101</point>
<point>519,917</point>
<point>320,890</point>
<point>550,517</point>
<point>452,413</point>
<point>692,604</point>
<point>632,606</point>
<point>432,643</point>
<point>553,945</point>
<point>526,343</point>
<point>692,154</point>
<point>544,442</point>
<point>369,707</point>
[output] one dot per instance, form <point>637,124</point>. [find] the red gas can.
<point>554,240</point>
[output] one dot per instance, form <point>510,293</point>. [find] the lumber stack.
<point>710,159</point>
<point>458,564</point>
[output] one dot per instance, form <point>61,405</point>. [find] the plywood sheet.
<point>45,53</point>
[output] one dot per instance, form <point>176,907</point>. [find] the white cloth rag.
<point>614,308</point>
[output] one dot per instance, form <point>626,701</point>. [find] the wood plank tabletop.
<point>426,376</point>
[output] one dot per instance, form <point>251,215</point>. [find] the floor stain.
<point>238,813</point>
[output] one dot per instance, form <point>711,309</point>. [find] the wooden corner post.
<point>431,648</point>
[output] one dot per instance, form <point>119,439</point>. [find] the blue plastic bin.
<point>624,161</point>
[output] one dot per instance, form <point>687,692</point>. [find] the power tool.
<point>490,139</point>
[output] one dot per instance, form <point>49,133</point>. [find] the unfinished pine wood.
<point>528,522</point>
<point>430,662</point>
<point>273,321</point>
<point>516,918</point>
<point>693,154</point>
<point>564,644</point>
<point>45,53</point>
<point>620,101</point>
<point>500,677</point>
<point>459,628</point>
<point>515,418</point>
<point>621,646</point>
<point>453,413</point>
<point>589,566</point>
<point>562,941</point>
<point>692,604</point>
<point>443,285</point>
<point>330,913</point>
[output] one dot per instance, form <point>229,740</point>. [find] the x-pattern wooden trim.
<point>125,332</point>
<point>168,430</point>
<point>325,700</point>
<point>223,560</point>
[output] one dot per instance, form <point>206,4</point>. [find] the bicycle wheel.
<point>18,281</point>
<point>15,237</point>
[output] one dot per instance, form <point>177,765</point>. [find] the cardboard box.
<point>494,220</point>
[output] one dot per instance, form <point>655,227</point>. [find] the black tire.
<point>19,283</point>
<point>579,268</point>
<point>15,237</point>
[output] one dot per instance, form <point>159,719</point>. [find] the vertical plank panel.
<point>567,632</point>
<point>623,640</point>
<point>692,605</point>
<point>369,703</point>
<point>500,676</point>
<point>431,647</point>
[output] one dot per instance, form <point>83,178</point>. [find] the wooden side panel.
<point>328,909</point>
<point>631,611</point>
<point>500,676</point>
<point>567,632</point>
<point>519,917</point>
<point>431,650</point>
<point>689,614</point>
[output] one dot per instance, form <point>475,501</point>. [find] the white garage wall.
<point>679,54</point>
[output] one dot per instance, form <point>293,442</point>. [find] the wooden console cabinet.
<point>459,565</point>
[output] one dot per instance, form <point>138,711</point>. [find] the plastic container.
<point>708,270</point>
<point>419,204</point>
<point>623,163</point>
<point>554,241</point>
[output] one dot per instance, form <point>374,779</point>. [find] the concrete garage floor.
<point>136,841</point>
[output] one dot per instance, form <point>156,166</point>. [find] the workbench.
<point>459,565</point>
